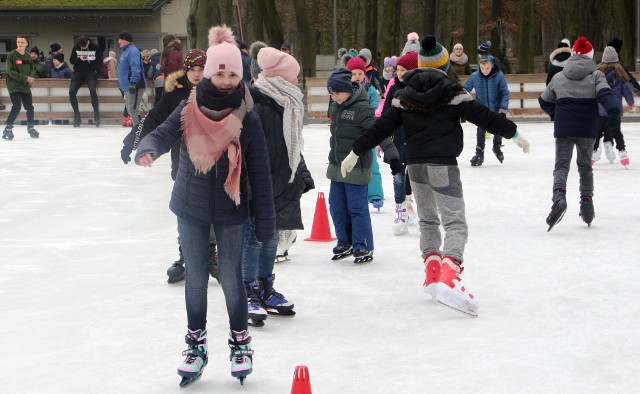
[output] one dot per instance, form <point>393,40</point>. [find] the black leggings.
<point>609,134</point>
<point>19,99</point>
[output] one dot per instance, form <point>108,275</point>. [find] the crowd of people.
<point>232,117</point>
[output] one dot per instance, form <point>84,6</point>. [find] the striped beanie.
<point>432,54</point>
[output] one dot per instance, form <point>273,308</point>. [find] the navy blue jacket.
<point>201,198</point>
<point>491,90</point>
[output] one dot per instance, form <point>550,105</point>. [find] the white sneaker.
<point>400,223</point>
<point>451,293</point>
<point>624,157</point>
<point>287,238</point>
<point>596,154</point>
<point>609,152</point>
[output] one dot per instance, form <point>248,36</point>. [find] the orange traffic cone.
<point>320,231</point>
<point>301,383</point>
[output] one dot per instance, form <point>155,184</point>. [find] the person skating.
<point>224,153</point>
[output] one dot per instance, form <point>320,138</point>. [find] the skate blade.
<point>256,323</point>
<point>281,259</point>
<point>461,311</point>
<point>273,312</point>
<point>341,255</point>
<point>360,260</point>
<point>556,222</point>
<point>187,381</point>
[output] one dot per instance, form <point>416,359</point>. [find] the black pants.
<point>497,140</point>
<point>609,134</point>
<point>77,79</point>
<point>18,100</point>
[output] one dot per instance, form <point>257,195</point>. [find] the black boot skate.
<point>587,212</point>
<point>341,251</point>
<point>33,133</point>
<point>7,134</point>
<point>558,208</point>
<point>498,152</point>
<point>478,159</point>
<point>213,261</point>
<point>77,121</point>
<point>176,271</point>
<point>273,302</point>
<point>96,119</point>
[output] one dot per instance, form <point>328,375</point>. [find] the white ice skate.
<point>596,155</point>
<point>400,222</point>
<point>451,293</point>
<point>287,238</point>
<point>609,152</point>
<point>624,158</point>
<point>411,214</point>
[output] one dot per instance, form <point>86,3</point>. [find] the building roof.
<point>67,8</point>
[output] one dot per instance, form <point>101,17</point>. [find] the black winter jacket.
<point>286,195</point>
<point>94,65</point>
<point>429,108</point>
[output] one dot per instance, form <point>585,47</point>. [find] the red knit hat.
<point>582,47</point>
<point>409,60</point>
<point>356,63</point>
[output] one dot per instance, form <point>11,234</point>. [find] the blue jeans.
<point>194,240</point>
<point>257,258</point>
<point>349,206</point>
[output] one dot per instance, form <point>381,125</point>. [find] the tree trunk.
<point>203,14</point>
<point>271,21</point>
<point>371,28</point>
<point>526,36</point>
<point>307,38</point>
<point>470,38</point>
<point>388,45</point>
<point>429,18</point>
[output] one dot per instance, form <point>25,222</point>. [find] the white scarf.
<point>289,97</point>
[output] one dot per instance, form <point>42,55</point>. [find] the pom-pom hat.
<point>275,63</point>
<point>409,60</point>
<point>582,47</point>
<point>194,58</point>
<point>223,53</point>
<point>390,61</point>
<point>616,43</point>
<point>433,54</point>
<point>484,48</point>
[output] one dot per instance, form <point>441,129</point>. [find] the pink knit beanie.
<point>275,63</point>
<point>223,53</point>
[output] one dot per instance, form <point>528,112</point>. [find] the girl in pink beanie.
<point>222,157</point>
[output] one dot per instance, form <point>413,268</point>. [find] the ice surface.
<point>85,307</point>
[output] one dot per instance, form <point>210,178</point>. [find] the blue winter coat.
<point>201,198</point>
<point>130,69</point>
<point>62,72</point>
<point>491,90</point>
<point>571,99</point>
<point>619,89</point>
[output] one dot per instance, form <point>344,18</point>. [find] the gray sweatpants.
<point>564,152</point>
<point>438,188</point>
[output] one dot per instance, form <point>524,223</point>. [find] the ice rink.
<point>85,307</point>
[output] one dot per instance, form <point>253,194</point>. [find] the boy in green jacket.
<point>19,80</point>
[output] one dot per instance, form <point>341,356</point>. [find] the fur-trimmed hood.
<point>176,80</point>
<point>558,51</point>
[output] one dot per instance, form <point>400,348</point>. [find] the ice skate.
<point>124,121</point>
<point>411,214</point>
<point>7,134</point>
<point>558,208</point>
<point>400,226</point>
<point>257,314</point>
<point>609,152</point>
<point>587,212</point>
<point>624,158</point>
<point>196,357</point>
<point>596,155</point>
<point>362,256</point>
<point>341,251</point>
<point>287,238</point>
<point>213,261</point>
<point>33,133</point>
<point>77,121</point>
<point>176,271</point>
<point>377,203</point>
<point>432,267</point>
<point>478,159</point>
<point>498,152</point>
<point>451,293</point>
<point>241,356</point>
<point>273,302</point>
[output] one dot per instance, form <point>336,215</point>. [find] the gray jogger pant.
<point>437,188</point>
<point>564,152</point>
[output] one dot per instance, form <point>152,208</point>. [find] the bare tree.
<point>206,13</point>
<point>469,40</point>
<point>526,36</point>
<point>306,37</point>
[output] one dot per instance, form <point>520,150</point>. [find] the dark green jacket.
<point>39,69</point>
<point>19,67</point>
<point>348,121</point>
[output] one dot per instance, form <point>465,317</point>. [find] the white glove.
<point>348,163</point>
<point>521,142</point>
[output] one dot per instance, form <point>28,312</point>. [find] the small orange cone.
<point>301,383</point>
<point>320,231</point>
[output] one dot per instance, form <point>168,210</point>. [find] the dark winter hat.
<point>286,46</point>
<point>194,58</point>
<point>55,47</point>
<point>339,81</point>
<point>35,50</point>
<point>484,48</point>
<point>485,59</point>
<point>610,55</point>
<point>433,54</point>
<point>242,45</point>
<point>59,57</point>
<point>565,43</point>
<point>616,43</point>
<point>125,35</point>
<point>409,60</point>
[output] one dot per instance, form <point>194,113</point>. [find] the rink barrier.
<point>51,101</point>
<point>524,90</point>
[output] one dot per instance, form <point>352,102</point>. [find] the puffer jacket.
<point>201,198</point>
<point>429,109</point>
<point>491,90</point>
<point>61,72</point>
<point>620,89</point>
<point>286,195</point>
<point>571,99</point>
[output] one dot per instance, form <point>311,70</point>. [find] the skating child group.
<point>232,117</point>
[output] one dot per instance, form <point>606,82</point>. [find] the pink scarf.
<point>208,134</point>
